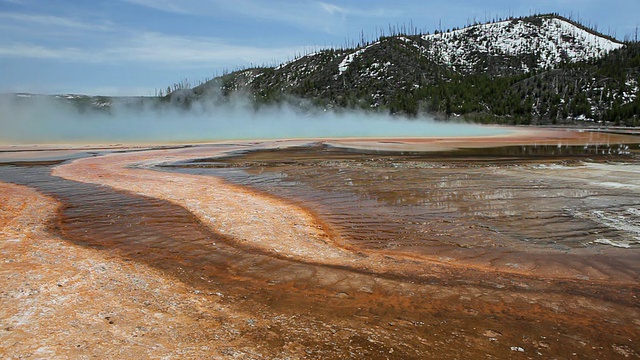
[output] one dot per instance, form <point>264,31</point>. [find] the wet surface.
<point>428,203</point>
<point>142,228</point>
<point>410,209</point>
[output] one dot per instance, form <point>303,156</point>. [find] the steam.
<point>46,120</point>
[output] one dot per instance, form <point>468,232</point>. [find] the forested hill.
<point>542,69</point>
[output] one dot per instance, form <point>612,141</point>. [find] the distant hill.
<point>542,69</point>
<point>516,46</point>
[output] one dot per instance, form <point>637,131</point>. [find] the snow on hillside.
<point>552,42</point>
<point>309,55</point>
<point>344,65</point>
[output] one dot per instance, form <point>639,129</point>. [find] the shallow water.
<point>417,202</point>
<point>154,231</point>
<point>395,205</point>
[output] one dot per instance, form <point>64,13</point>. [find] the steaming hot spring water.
<point>447,251</point>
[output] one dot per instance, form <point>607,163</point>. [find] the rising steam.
<point>42,119</point>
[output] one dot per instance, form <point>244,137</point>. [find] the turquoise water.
<point>50,122</point>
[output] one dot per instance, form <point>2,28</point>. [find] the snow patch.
<point>553,42</point>
<point>344,65</point>
<point>292,61</point>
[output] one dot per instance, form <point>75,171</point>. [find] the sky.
<point>133,47</point>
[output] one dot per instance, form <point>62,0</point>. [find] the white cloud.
<point>366,12</point>
<point>49,20</point>
<point>333,9</point>
<point>37,52</point>
<point>156,48</point>
<point>161,48</point>
<point>171,6</point>
<point>70,40</point>
<point>308,14</point>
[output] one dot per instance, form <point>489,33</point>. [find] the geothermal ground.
<point>516,246</point>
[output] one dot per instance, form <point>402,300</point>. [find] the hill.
<point>542,69</point>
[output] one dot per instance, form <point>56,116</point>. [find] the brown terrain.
<point>324,250</point>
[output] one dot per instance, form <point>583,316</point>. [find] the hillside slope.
<point>542,69</point>
<point>532,43</point>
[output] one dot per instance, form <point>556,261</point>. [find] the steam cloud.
<point>41,120</point>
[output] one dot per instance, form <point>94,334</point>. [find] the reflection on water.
<point>389,203</point>
<point>151,230</point>
<point>169,237</point>
<point>414,201</point>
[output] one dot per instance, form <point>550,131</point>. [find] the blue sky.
<point>132,47</point>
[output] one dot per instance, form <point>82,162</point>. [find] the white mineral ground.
<point>60,300</point>
<point>66,301</point>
